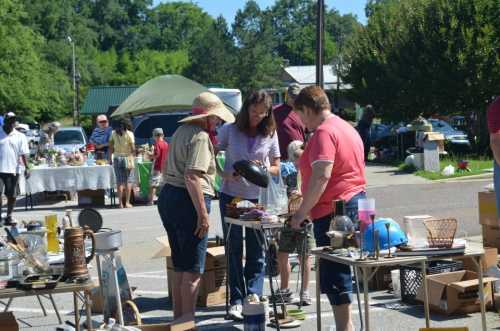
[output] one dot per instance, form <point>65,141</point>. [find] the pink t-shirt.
<point>338,142</point>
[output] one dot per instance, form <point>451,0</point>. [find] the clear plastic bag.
<point>274,198</point>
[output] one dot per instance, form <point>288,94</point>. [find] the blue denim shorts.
<point>335,279</point>
<point>496,182</point>
<point>180,219</point>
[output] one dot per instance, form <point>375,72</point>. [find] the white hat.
<point>208,104</point>
<point>9,115</point>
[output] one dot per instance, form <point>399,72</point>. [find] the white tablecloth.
<point>71,179</point>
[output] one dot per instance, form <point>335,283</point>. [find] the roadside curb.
<point>464,178</point>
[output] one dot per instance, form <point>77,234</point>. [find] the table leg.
<point>7,306</point>
<point>41,305</point>
<point>77,312</point>
<point>88,310</point>
<point>265,245</point>
<point>226,250</point>
<point>51,298</point>
<point>318,296</point>
<point>358,298</point>
<point>426,295</point>
<point>366,298</point>
<point>481,292</point>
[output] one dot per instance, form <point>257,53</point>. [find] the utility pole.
<point>75,115</point>
<point>320,32</point>
<point>77,80</point>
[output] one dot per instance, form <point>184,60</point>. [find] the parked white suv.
<point>70,138</point>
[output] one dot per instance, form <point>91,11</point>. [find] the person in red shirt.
<point>332,168</point>
<point>160,150</point>
<point>289,126</point>
<point>493,117</point>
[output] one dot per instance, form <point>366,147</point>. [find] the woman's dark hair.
<point>123,123</point>
<point>314,98</point>
<point>267,126</point>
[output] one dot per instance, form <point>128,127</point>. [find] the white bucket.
<point>396,284</point>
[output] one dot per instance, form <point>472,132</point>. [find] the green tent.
<point>161,94</point>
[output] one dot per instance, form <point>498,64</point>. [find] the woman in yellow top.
<point>121,156</point>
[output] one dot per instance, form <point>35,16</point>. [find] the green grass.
<point>476,167</point>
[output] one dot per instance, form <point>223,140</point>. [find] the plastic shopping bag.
<point>274,198</point>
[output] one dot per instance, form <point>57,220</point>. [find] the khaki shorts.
<point>155,178</point>
<point>292,240</point>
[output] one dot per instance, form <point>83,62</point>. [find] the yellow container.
<point>52,241</point>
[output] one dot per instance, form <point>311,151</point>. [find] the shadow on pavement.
<point>418,311</point>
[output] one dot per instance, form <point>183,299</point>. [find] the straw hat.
<point>207,104</point>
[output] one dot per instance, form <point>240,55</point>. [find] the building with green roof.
<point>105,99</point>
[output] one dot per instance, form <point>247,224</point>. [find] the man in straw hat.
<point>184,202</point>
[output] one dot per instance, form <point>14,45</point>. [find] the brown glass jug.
<point>75,261</point>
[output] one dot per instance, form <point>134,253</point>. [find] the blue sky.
<point>228,8</point>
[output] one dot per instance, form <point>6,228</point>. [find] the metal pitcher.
<point>75,261</point>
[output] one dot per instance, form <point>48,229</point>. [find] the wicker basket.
<point>294,203</point>
<point>441,232</point>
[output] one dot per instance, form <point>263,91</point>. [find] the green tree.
<point>258,63</point>
<point>427,56</point>
<point>213,58</point>
<point>178,25</point>
<point>20,67</point>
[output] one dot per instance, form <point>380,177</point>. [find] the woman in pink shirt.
<point>332,168</point>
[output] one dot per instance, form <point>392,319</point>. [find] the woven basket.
<point>441,232</point>
<point>294,203</point>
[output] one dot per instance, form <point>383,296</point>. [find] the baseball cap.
<point>157,132</point>
<point>9,115</point>
<point>293,90</point>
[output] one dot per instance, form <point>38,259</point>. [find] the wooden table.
<point>366,267</point>
<point>75,288</point>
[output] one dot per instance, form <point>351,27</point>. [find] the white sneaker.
<point>236,312</point>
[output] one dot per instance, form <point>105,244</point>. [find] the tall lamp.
<point>75,112</point>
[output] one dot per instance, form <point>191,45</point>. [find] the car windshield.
<point>68,137</point>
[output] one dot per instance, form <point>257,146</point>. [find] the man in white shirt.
<point>13,148</point>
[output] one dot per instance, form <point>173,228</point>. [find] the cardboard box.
<point>489,260</point>
<point>488,209</point>
<point>213,281</point>
<point>456,292</point>
<point>491,236</point>
<point>168,327</point>
<point>8,322</point>
<point>91,198</point>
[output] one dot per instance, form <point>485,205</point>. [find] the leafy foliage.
<point>128,42</point>
<point>427,56</point>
